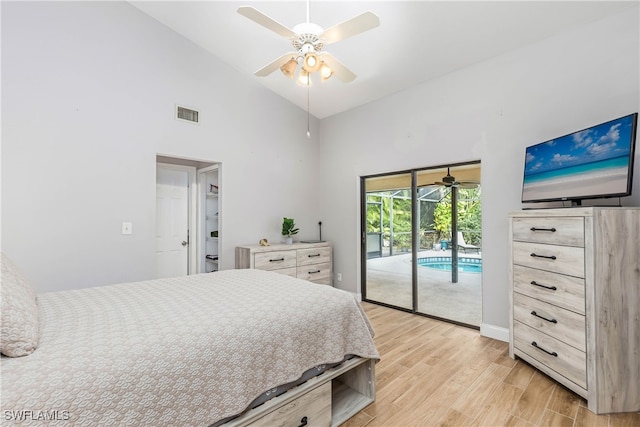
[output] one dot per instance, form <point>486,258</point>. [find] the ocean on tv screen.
<point>595,161</point>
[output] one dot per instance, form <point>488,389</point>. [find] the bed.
<point>194,350</point>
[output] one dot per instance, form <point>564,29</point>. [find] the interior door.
<point>172,221</point>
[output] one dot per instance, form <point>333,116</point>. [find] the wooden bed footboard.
<point>329,399</point>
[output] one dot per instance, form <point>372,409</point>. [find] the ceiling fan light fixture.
<point>311,62</point>
<point>289,68</point>
<point>308,41</point>
<point>325,72</point>
<point>304,78</point>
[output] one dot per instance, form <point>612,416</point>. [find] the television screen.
<point>592,163</point>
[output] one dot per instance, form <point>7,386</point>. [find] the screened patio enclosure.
<point>412,258</point>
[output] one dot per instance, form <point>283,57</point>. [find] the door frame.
<point>192,210</point>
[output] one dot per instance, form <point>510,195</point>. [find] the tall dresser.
<point>308,261</point>
<point>575,300</point>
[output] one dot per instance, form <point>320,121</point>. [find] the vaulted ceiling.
<point>416,41</point>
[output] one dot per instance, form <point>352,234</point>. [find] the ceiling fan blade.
<point>262,19</point>
<point>350,27</point>
<point>468,184</point>
<point>271,67</point>
<point>342,72</point>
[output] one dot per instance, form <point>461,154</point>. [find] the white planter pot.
<point>288,240</point>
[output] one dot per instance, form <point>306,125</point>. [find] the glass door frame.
<point>415,239</point>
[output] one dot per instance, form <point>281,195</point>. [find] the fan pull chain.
<point>308,86</point>
<point>308,113</point>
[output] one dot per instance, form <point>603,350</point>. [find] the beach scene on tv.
<point>591,162</point>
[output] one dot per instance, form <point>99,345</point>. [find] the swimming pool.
<point>443,263</point>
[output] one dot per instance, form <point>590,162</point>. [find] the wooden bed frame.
<point>329,399</point>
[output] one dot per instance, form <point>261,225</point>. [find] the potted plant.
<point>289,230</point>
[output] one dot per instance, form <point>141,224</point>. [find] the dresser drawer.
<point>562,358</point>
<point>314,256</point>
<point>567,231</point>
<point>559,259</point>
<point>564,325</point>
<point>553,288</point>
<point>315,406</point>
<point>318,273</point>
<point>274,260</point>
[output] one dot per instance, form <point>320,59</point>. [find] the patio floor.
<point>389,281</point>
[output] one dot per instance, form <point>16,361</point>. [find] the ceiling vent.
<point>187,114</point>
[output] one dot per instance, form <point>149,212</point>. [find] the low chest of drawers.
<point>575,298</point>
<point>308,261</point>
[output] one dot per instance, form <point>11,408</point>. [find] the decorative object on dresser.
<point>575,288</point>
<point>309,261</point>
<point>319,235</point>
<point>289,230</point>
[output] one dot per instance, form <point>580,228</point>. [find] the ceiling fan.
<point>450,181</point>
<point>308,40</point>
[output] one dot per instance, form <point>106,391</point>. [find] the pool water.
<point>443,263</point>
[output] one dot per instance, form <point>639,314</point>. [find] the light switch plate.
<point>127,228</point>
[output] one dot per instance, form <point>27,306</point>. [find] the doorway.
<point>421,244</point>
<point>188,213</point>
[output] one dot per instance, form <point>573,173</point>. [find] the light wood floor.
<point>434,373</point>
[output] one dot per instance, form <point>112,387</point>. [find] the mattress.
<point>283,388</point>
<point>182,351</point>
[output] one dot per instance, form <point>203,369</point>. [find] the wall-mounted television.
<point>592,163</point>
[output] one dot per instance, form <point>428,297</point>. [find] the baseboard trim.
<point>495,332</point>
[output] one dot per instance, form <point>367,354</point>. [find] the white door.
<point>172,221</point>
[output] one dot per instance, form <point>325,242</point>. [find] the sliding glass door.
<point>422,241</point>
<point>449,266</point>
<point>388,240</point>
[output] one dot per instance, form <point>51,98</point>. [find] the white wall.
<point>88,92</point>
<point>491,112</point>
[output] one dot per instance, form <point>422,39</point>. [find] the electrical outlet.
<point>339,277</point>
<point>127,228</point>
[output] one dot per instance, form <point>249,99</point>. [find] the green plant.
<point>442,219</point>
<point>469,216</point>
<point>289,227</point>
<point>391,210</point>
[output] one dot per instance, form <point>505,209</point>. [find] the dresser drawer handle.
<point>276,259</point>
<point>303,422</point>
<point>552,288</point>
<point>543,256</point>
<point>551,353</point>
<point>314,272</point>
<point>533,313</point>
<point>313,255</point>
<point>552,229</point>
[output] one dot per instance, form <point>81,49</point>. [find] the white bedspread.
<point>182,351</point>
